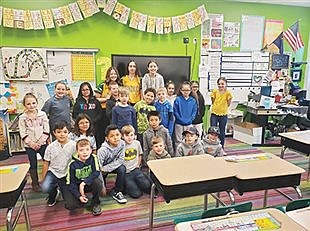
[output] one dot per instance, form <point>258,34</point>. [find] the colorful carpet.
<point>134,214</point>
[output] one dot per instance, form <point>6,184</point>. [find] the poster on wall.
<point>252,32</point>
<point>272,30</point>
<point>231,34</point>
<point>24,64</point>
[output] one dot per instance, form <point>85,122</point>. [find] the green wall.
<point>103,32</point>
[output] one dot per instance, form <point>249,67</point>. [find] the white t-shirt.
<point>132,152</point>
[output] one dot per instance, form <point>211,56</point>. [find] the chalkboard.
<point>175,68</point>
<point>280,61</point>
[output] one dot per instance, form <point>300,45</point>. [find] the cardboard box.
<point>247,132</point>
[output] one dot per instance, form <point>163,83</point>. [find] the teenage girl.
<point>221,99</point>
<point>133,82</point>
<point>83,129</point>
<point>170,86</point>
<point>184,109</point>
<point>34,131</point>
<point>198,123</point>
<point>152,79</point>
<point>88,104</point>
<point>58,107</point>
<point>102,92</point>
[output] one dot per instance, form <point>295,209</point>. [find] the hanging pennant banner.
<point>47,17</point>
<point>121,13</point>
<point>75,11</point>
<point>151,24</point>
<point>37,20</point>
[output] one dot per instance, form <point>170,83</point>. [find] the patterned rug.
<point>134,214</point>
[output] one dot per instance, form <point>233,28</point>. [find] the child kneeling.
<point>84,176</point>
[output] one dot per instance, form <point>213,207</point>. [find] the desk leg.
<point>9,225</point>
<point>282,151</point>
<point>206,201</point>
<point>265,198</point>
<point>151,213</point>
<point>308,170</point>
<point>298,191</point>
<point>231,197</point>
<point>26,212</point>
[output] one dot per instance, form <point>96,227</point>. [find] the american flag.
<point>293,37</point>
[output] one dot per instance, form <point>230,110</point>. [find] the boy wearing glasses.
<point>184,109</point>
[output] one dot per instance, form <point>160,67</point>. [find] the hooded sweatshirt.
<point>213,148</point>
<point>166,113</point>
<point>184,149</point>
<point>154,156</point>
<point>110,158</point>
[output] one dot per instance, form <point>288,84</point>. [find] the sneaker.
<point>97,210</point>
<point>52,202</point>
<point>119,197</point>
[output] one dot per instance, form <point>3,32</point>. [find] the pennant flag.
<point>293,37</point>
<point>278,42</point>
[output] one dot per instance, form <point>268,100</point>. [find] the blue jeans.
<point>136,183</point>
<point>50,183</point>
<point>120,178</point>
<point>221,122</point>
<point>32,156</point>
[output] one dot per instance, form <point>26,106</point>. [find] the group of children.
<point>109,130</point>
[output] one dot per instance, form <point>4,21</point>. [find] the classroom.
<point>218,90</point>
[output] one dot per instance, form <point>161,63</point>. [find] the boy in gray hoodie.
<point>190,144</point>
<point>111,157</point>
<point>211,142</point>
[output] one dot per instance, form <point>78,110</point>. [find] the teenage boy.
<point>57,157</point>
<point>111,157</point>
<point>190,145</point>
<point>155,129</point>
<point>135,181</point>
<point>84,176</point>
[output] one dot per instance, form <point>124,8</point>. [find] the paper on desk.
<point>246,158</point>
<point>8,169</point>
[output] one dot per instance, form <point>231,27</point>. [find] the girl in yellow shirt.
<point>221,99</point>
<point>133,81</point>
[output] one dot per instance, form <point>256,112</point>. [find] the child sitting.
<point>135,181</point>
<point>57,157</point>
<point>83,129</point>
<point>155,129</point>
<point>190,144</point>
<point>112,159</point>
<point>211,142</point>
<point>83,177</point>
<point>158,149</point>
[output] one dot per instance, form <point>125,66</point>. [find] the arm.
<point>179,151</point>
<point>146,148</point>
<point>98,112</point>
<point>72,182</point>
<point>118,161</point>
<point>170,120</point>
<point>194,111</point>
<point>176,111</point>
<point>46,131</point>
<point>109,106</point>
<point>76,109</point>
<point>134,118</point>
<point>114,115</point>
<point>169,145</point>
<point>23,133</point>
<point>46,107</point>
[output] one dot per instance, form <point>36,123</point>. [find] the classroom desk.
<point>270,173</point>
<point>189,176</point>
<point>12,183</point>
<point>301,216</point>
<point>287,224</point>
<point>260,117</point>
<point>298,141</point>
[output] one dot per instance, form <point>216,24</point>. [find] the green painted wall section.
<point>103,32</point>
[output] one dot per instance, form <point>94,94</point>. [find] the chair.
<point>297,204</point>
<point>236,208</point>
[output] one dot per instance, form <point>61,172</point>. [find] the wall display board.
<point>175,68</point>
<point>56,62</point>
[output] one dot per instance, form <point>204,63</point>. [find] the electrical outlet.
<point>194,40</point>
<point>185,40</point>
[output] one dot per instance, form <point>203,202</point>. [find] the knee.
<point>46,186</point>
<point>121,170</point>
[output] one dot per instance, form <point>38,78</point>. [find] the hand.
<point>83,199</point>
<point>81,189</point>
<point>209,150</point>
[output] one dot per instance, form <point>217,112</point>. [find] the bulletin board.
<point>59,67</point>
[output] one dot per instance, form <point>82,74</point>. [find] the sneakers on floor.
<point>52,202</point>
<point>97,210</point>
<point>119,197</point>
